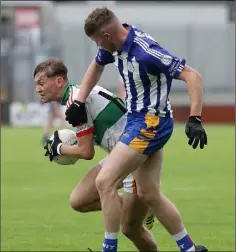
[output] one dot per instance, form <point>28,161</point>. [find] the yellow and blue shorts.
<point>147,133</point>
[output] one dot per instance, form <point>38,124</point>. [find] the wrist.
<point>195,118</point>
<point>59,149</point>
<point>79,103</point>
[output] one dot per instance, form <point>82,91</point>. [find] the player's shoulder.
<point>141,37</point>
<point>145,47</point>
<point>72,94</point>
<point>74,91</point>
<point>74,87</point>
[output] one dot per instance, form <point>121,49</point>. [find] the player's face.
<point>48,88</point>
<point>104,41</point>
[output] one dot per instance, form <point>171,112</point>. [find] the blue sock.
<point>110,242</point>
<point>184,242</point>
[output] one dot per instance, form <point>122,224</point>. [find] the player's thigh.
<point>121,161</point>
<point>85,191</point>
<point>149,171</point>
<point>133,212</point>
<point>144,134</point>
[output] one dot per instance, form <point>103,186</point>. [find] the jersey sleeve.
<point>158,60</point>
<point>85,128</point>
<point>104,57</point>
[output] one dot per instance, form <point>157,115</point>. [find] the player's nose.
<point>37,89</point>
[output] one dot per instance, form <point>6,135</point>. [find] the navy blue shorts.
<point>147,133</point>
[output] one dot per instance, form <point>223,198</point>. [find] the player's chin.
<point>44,99</point>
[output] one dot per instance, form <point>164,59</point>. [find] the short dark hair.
<point>97,20</point>
<point>52,68</point>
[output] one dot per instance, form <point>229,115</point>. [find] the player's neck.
<point>121,37</point>
<point>61,92</point>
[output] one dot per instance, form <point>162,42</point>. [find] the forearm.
<point>75,151</point>
<point>90,79</point>
<point>195,91</point>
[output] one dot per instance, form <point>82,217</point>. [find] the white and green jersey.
<point>106,120</point>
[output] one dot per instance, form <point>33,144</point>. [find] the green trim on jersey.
<point>66,93</point>
<point>109,116</point>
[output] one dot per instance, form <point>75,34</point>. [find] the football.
<point>68,137</point>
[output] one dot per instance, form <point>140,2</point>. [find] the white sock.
<point>191,249</point>
<point>111,236</point>
<point>180,235</point>
<point>184,241</point>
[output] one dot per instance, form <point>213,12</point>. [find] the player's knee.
<point>78,204</point>
<point>101,183</point>
<point>150,195</point>
<point>104,184</point>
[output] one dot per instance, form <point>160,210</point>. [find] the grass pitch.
<point>35,194</point>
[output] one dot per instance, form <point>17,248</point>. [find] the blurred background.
<point>32,31</point>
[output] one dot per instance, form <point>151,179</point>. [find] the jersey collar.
<point>129,40</point>
<point>66,93</point>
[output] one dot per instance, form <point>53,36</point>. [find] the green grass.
<point>36,214</point>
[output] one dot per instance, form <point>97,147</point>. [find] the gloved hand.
<point>53,147</point>
<point>195,132</point>
<point>76,114</point>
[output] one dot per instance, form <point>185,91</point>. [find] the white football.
<point>68,137</point>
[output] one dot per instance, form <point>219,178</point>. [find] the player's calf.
<point>133,215</point>
<point>140,236</point>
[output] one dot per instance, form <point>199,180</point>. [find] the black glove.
<point>76,113</point>
<point>53,147</point>
<point>195,132</point>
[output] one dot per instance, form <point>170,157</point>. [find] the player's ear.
<point>107,36</point>
<point>59,81</point>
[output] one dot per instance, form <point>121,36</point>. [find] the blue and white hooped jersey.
<point>147,70</point>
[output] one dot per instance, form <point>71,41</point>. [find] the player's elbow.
<point>84,151</point>
<point>190,76</point>
<point>88,154</point>
<point>196,76</point>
